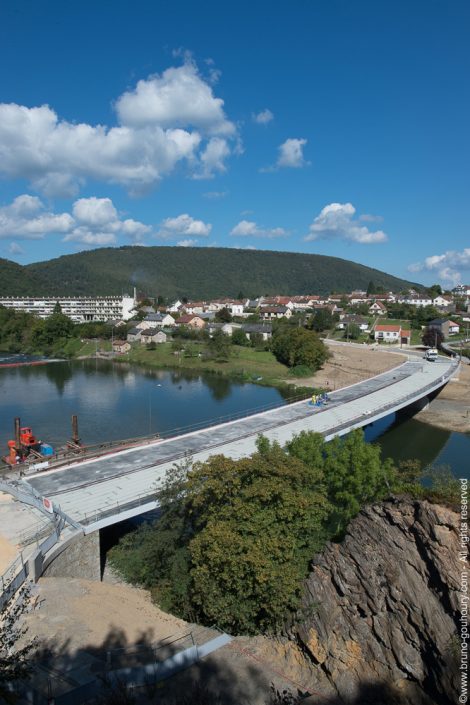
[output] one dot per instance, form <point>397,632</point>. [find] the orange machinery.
<point>25,442</point>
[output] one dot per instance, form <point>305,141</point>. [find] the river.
<point>117,401</point>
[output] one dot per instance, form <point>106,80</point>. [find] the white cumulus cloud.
<point>93,221</point>
<point>337,221</point>
<point>178,98</point>
<point>291,153</point>
<point>248,228</point>
<point>183,226</point>
<point>26,217</point>
<point>165,121</point>
<point>263,117</point>
<point>448,266</point>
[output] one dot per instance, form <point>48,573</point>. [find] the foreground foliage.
<point>235,537</point>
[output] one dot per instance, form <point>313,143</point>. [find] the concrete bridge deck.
<point>105,490</point>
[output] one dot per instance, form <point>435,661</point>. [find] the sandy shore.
<point>450,410</point>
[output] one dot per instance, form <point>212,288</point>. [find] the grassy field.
<point>246,363</point>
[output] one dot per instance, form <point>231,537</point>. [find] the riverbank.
<point>450,410</point>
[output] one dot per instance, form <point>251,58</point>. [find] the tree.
<point>257,522</point>
<point>352,331</point>
<point>322,320</point>
<point>239,337</point>
<point>219,346</point>
<point>434,290</point>
<point>235,537</point>
<point>354,473</point>
<point>432,338</point>
<point>371,289</point>
<point>223,316</point>
<point>298,346</point>
<point>57,308</point>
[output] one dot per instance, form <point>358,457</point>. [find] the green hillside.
<point>199,272</point>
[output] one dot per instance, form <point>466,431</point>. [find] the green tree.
<point>298,346</point>
<point>57,308</point>
<point>352,331</point>
<point>219,346</point>
<point>371,289</point>
<point>57,326</point>
<point>223,316</point>
<point>354,473</point>
<point>239,337</point>
<point>322,320</point>
<point>258,521</point>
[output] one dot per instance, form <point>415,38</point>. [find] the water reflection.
<point>115,401</point>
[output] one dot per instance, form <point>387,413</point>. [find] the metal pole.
<point>75,436</point>
<point>17,434</point>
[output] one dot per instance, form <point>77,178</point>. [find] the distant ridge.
<point>196,272</point>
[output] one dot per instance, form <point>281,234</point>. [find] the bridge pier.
<point>80,559</point>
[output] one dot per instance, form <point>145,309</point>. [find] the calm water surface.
<point>116,401</point>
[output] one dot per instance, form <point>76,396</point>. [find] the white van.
<point>431,354</point>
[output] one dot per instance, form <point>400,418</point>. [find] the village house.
<point>133,335</point>
<point>251,329</point>
<point>226,328</point>
<point>348,319</point>
<point>445,326</point>
<point>156,320</point>
<point>121,347</point>
<point>443,301</point>
<point>415,299</point>
<point>175,307</point>
<point>358,298</point>
<point>152,335</point>
<point>392,333</point>
<point>377,309</point>
<point>269,313</point>
<point>190,320</point>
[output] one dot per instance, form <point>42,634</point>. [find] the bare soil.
<point>350,364</point>
<point>450,410</point>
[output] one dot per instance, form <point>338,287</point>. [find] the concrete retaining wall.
<point>81,559</point>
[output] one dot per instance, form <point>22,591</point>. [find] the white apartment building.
<point>80,308</point>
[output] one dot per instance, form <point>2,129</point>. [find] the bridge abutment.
<point>80,559</point>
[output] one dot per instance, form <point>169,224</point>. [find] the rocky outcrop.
<point>381,608</point>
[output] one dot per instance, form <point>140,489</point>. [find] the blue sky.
<point>327,126</point>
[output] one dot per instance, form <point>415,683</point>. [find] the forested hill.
<point>199,272</point>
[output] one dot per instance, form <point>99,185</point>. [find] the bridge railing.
<point>87,452</point>
<point>143,499</point>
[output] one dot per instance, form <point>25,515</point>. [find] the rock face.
<point>381,608</point>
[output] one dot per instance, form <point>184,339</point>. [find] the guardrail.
<point>145,499</point>
<point>45,538</point>
<point>86,452</point>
